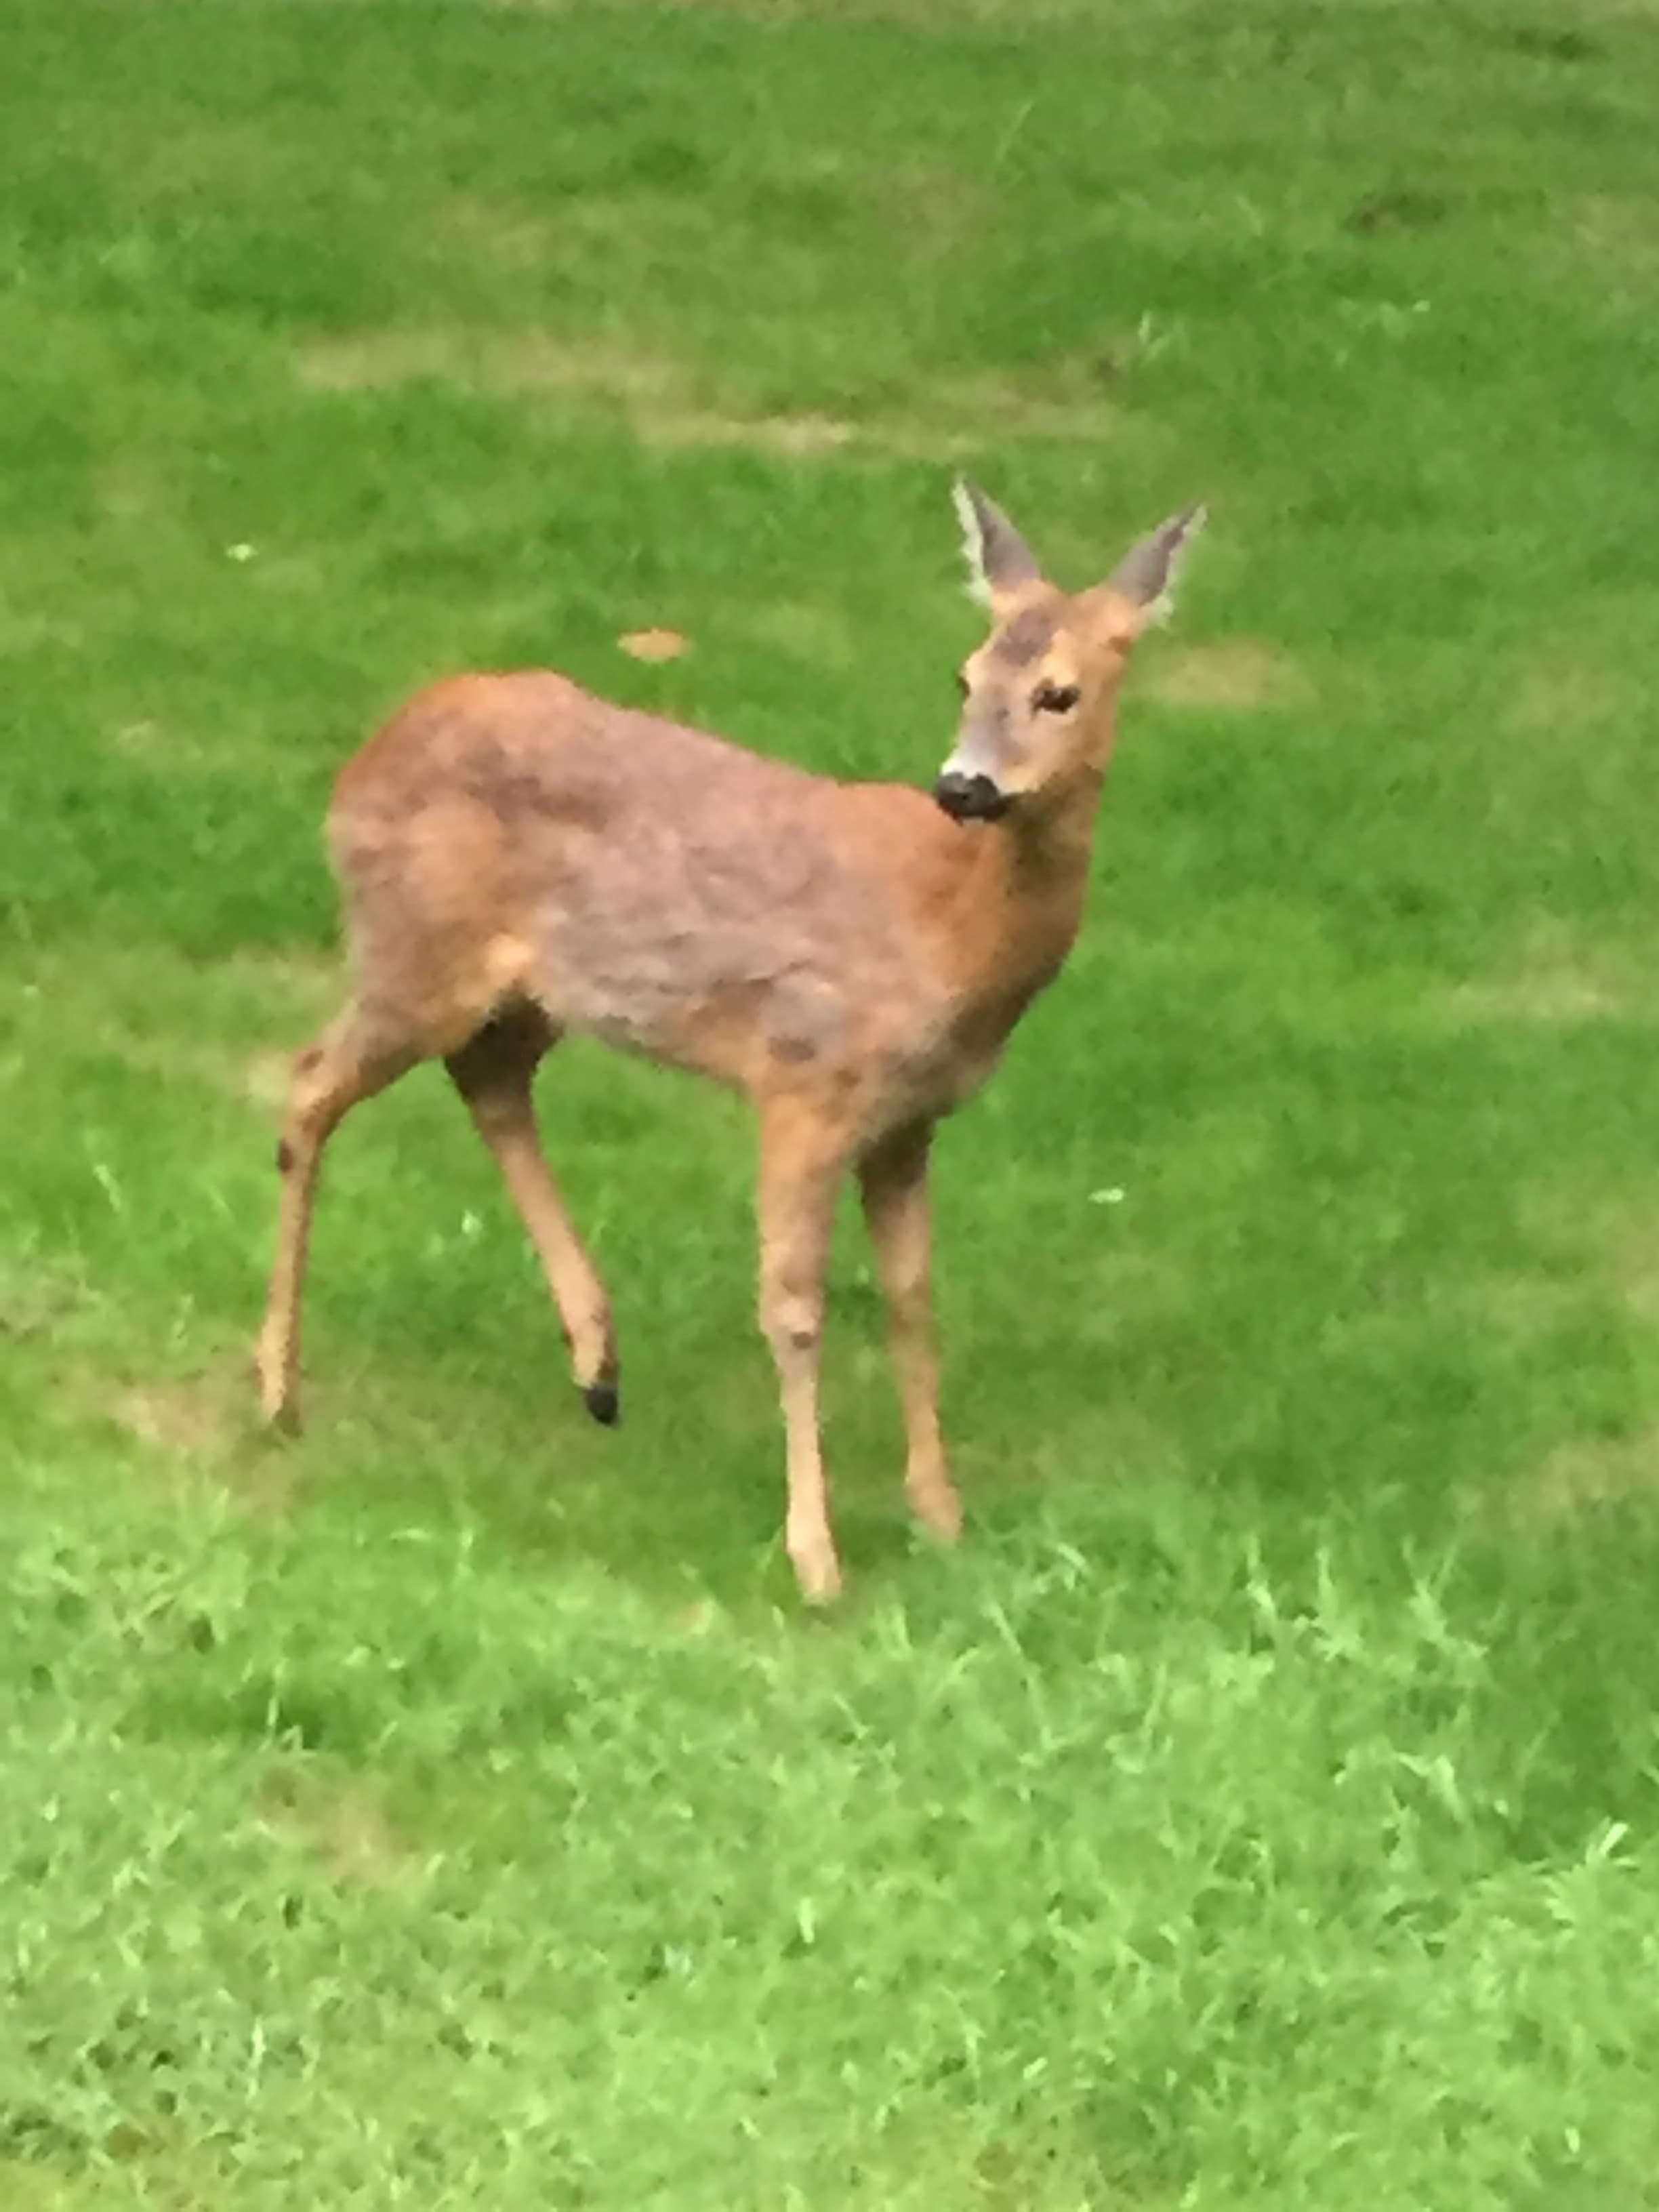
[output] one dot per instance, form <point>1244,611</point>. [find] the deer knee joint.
<point>792,1321</point>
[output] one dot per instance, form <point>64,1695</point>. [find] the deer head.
<point>1037,696</point>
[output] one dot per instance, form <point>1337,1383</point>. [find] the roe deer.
<point>518,859</point>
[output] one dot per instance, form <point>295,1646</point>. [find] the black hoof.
<point>604,1402</point>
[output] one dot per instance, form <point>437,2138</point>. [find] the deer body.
<point>511,838</point>
<point>518,860</point>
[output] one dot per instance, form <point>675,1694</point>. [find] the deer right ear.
<point>1145,578</point>
<point>998,559</point>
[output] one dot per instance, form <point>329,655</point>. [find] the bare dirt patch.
<point>339,1821</point>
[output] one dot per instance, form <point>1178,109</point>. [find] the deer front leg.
<point>893,1182</point>
<point>801,1171</point>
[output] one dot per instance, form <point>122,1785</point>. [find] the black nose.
<point>969,797</point>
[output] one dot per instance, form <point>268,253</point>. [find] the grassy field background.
<point>454,1808</point>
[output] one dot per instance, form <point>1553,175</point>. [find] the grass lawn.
<point>456,1808</point>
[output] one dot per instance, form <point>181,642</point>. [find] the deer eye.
<point>1055,698</point>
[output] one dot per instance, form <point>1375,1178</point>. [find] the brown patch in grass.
<point>184,1418</point>
<point>131,490</point>
<point>654,644</point>
<point>1553,692</point>
<point>1585,1472</point>
<point>511,363</point>
<point>266,1079</point>
<point>666,404</point>
<point>339,1821</point>
<point>1606,1243</point>
<point>1559,994</point>
<point>508,364</point>
<point>1550,978</point>
<point>164,1018</point>
<point>144,741</point>
<point>294,971</point>
<point>35,1295</point>
<point>661,401</point>
<point>1236,675</point>
<point>260,1079</point>
<point>1066,399</point>
<point>162,2169</point>
<point>200,1434</point>
<point>795,436</point>
<point>505,234</point>
<point>1619,233</point>
<point>927,210</point>
<point>23,626</point>
<point>1624,1242</point>
<point>922,14</point>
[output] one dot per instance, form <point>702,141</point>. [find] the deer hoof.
<point>938,1510</point>
<point>281,1409</point>
<point>818,1570</point>
<point>604,1402</point>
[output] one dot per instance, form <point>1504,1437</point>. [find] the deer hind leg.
<point>800,1173</point>
<point>493,1073</point>
<point>893,1183</point>
<point>353,1059</point>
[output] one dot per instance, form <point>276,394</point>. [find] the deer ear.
<point>1145,576</point>
<point>998,559</point>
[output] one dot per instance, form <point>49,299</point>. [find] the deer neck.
<point>1006,898</point>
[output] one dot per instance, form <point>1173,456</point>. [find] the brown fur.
<point>519,858</point>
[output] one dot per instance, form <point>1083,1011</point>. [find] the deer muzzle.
<point>969,797</point>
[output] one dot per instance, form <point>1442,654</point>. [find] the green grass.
<point>455,1809</point>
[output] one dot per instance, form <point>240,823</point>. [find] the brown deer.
<point>519,860</point>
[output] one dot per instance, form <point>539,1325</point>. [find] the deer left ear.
<point>1145,577</point>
